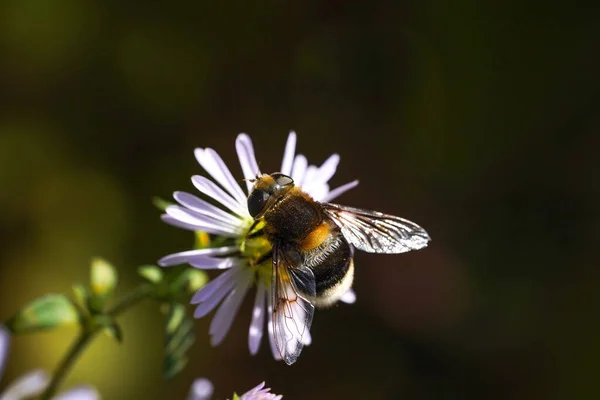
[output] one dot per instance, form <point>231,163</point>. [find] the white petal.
<point>203,207</point>
<point>207,262</point>
<point>31,384</point>
<point>318,192</point>
<point>327,170</point>
<point>339,191</point>
<point>207,306</point>
<point>201,389</point>
<point>270,330</point>
<point>288,154</point>
<point>258,318</point>
<point>315,180</point>
<point>309,177</point>
<point>349,297</point>
<point>214,165</point>
<point>245,151</point>
<point>185,256</point>
<point>203,222</point>
<point>211,189</point>
<point>299,168</point>
<point>208,290</point>
<point>227,311</point>
<point>79,393</point>
<point>4,347</point>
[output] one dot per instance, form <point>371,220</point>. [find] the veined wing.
<point>292,310</point>
<point>376,232</point>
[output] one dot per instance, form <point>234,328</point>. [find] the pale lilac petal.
<point>177,223</point>
<point>189,255</point>
<point>299,168</point>
<point>245,151</point>
<point>252,393</point>
<point>208,290</point>
<point>203,207</point>
<point>203,222</point>
<point>31,384</point>
<point>271,331</point>
<point>258,318</point>
<point>201,389</point>
<point>260,392</point>
<point>349,297</point>
<point>211,189</point>
<point>288,155</point>
<point>214,165</point>
<point>339,191</point>
<point>224,290</point>
<point>4,347</point>
<point>207,262</point>
<point>79,393</point>
<point>227,311</point>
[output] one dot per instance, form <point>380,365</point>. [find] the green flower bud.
<point>202,240</point>
<point>151,272</point>
<point>161,203</point>
<point>103,278</point>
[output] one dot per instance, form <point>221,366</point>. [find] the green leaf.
<point>151,272</point>
<point>44,313</point>
<point>179,337</point>
<point>174,366</point>
<point>161,203</point>
<point>103,278</point>
<point>235,397</point>
<point>181,340</point>
<point>175,316</point>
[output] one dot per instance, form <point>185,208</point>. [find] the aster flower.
<point>241,258</point>
<point>202,389</point>
<point>35,382</point>
<point>260,392</point>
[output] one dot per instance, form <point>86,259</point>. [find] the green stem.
<point>88,333</point>
<point>67,362</point>
<point>140,293</point>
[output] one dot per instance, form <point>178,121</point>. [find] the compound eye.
<point>282,180</point>
<point>256,201</point>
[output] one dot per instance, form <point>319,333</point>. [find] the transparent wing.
<point>376,232</point>
<point>292,310</point>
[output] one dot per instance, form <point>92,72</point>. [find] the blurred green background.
<point>479,121</point>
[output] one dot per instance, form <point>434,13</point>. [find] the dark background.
<point>478,120</point>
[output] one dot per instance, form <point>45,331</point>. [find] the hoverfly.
<point>313,249</point>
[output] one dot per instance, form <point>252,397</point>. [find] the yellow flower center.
<point>256,248</point>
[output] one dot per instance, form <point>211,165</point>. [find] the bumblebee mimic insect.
<point>313,248</point>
